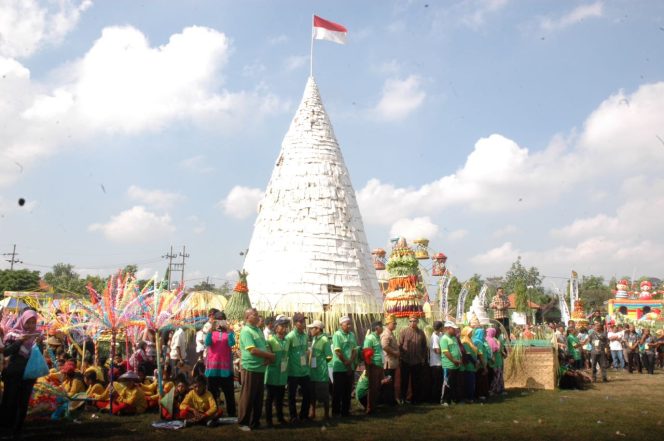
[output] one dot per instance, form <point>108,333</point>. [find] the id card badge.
<point>303,360</point>
<point>647,346</point>
<point>596,343</point>
<point>313,362</point>
<point>284,365</point>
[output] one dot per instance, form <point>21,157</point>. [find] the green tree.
<point>130,269</point>
<point>97,282</point>
<point>521,296</point>
<point>593,291</point>
<point>18,280</point>
<point>453,295</point>
<point>517,272</point>
<point>204,286</point>
<point>474,285</point>
<point>63,278</point>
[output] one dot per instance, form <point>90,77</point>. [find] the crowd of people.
<point>449,366</point>
<point>598,346</point>
<point>286,362</point>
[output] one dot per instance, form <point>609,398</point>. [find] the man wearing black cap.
<point>298,368</point>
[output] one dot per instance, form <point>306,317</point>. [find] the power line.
<point>13,259</point>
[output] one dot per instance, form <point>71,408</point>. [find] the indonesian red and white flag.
<point>327,30</point>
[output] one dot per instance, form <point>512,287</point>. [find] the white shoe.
<point>445,404</point>
<point>244,428</point>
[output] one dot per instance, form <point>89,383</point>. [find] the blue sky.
<point>497,128</point>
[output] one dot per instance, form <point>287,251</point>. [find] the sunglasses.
<point>413,321</point>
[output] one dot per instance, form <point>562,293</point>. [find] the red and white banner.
<point>327,30</point>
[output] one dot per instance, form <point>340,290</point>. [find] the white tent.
<point>309,251</point>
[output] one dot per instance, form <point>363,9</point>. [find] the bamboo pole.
<point>110,395</point>
<point>159,376</point>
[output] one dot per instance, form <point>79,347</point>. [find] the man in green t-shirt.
<point>254,358</point>
<point>276,374</point>
<point>344,346</point>
<point>319,356</point>
<point>373,361</point>
<point>298,369</point>
<point>451,361</point>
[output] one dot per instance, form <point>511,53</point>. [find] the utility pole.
<point>184,255</point>
<point>170,256</point>
<point>13,259</point>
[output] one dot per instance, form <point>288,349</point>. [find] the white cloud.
<point>231,275</point>
<point>278,39</point>
<point>391,67</point>
<point>576,15</point>
<point>26,25</point>
<point>457,234</point>
<point>242,202</point>
<point>198,225</point>
<point>135,225</point>
<point>295,62</point>
<point>400,98</point>
<point>253,70</point>
<point>198,164</point>
<point>474,13</point>
<point>503,254</point>
<point>500,176</point>
<point>154,198</point>
<point>125,86</point>
<point>416,228</point>
<point>507,230</point>
<point>639,216</point>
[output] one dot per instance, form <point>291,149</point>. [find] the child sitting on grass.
<point>199,406</point>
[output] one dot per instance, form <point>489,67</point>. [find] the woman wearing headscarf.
<point>482,374</point>
<point>469,362</point>
<point>18,344</point>
<point>497,385</point>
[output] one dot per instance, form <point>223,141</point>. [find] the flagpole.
<point>311,55</point>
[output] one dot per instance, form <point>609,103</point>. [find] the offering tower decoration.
<point>405,293</point>
<point>308,251</point>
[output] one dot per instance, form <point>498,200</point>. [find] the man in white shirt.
<point>435,362</point>
<point>178,354</point>
<point>615,345</point>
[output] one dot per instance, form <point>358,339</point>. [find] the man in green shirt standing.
<point>451,362</point>
<point>320,355</point>
<point>373,361</point>
<point>344,345</point>
<point>254,358</point>
<point>276,374</point>
<point>298,369</point>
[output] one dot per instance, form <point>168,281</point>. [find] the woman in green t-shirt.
<point>574,348</point>
<point>469,362</point>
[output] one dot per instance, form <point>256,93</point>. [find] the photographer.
<point>219,361</point>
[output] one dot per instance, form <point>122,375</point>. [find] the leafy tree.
<point>18,280</point>
<point>474,285</point>
<point>593,291</point>
<point>204,286</point>
<point>130,269</point>
<point>97,282</point>
<point>453,294</point>
<point>225,289</point>
<point>518,272</point>
<point>63,278</point>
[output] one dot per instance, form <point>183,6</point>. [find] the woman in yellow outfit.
<point>71,383</point>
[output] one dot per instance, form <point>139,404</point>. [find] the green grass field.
<point>628,407</point>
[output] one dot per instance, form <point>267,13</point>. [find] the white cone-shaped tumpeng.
<point>309,251</point>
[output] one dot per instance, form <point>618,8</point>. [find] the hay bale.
<point>535,370</point>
